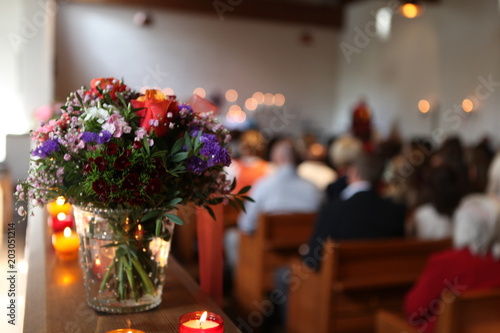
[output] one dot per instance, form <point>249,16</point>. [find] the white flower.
<point>100,114</point>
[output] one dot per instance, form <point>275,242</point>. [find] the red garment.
<point>453,270</point>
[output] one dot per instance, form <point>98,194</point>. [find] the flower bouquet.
<point>126,160</point>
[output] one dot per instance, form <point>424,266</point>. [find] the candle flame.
<point>60,201</point>
<point>61,216</point>
<point>203,317</point>
<point>67,232</point>
<point>139,227</point>
<point>98,262</point>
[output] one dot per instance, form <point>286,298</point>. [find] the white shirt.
<point>354,188</point>
<point>281,192</point>
<point>430,225</point>
<point>318,173</point>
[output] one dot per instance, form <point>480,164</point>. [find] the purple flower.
<point>196,165</point>
<point>46,148</point>
<point>103,137</point>
<point>213,151</point>
<point>89,137</point>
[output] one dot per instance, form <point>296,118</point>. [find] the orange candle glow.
<point>66,244</point>
<point>59,206</point>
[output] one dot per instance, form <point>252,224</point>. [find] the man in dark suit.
<point>359,212</point>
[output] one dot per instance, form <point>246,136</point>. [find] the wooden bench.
<point>275,241</point>
<point>355,279</point>
<point>470,312</point>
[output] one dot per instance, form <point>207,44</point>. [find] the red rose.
<point>110,84</point>
<point>157,111</point>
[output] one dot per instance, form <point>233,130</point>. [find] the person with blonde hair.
<point>472,264</point>
<point>343,151</point>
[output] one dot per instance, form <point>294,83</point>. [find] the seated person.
<point>342,153</point>
<point>282,191</point>
<point>433,219</point>
<point>473,264</point>
<point>314,167</point>
<point>250,165</point>
<point>359,212</point>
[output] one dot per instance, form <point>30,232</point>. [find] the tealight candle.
<point>61,221</point>
<point>198,322</point>
<point>66,244</point>
<point>59,206</point>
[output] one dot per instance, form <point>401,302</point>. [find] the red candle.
<point>61,221</point>
<point>201,322</point>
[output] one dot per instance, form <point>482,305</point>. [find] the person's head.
<point>443,186</point>
<point>344,150</point>
<point>252,143</point>
<point>283,152</point>
<point>366,167</point>
<point>477,224</point>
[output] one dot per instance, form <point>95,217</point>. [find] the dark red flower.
<point>131,182</point>
<point>111,149</point>
<point>87,167</point>
<point>137,144</point>
<point>121,163</point>
<point>100,163</point>
<point>154,186</point>
<point>100,187</point>
<point>160,168</point>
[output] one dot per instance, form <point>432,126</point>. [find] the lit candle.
<point>59,206</point>
<point>66,244</point>
<point>197,322</point>
<point>61,221</point>
<point>126,330</point>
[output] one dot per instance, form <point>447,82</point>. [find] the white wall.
<point>190,51</point>
<point>439,56</point>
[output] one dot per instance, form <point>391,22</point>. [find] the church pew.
<point>470,312</point>
<point>355,279</point>
<point>275,241</point>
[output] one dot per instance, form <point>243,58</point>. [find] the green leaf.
<point>151,215</point>
<point>247,198</point>
<point>174,218</point>
<point>187,142</point>
<point>175,201</point>
<point>179,157</point>
<point>158,227</point>
<point>244,189</point>
<point>177,146</point>
<point>233,185</point>
<point>210,211</point>
<point>146,145</point>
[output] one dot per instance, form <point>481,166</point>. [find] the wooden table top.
<point>56,300</point>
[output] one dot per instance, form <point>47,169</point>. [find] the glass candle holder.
<point>195,322</point>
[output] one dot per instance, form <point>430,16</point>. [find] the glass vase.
<point>123,255</point>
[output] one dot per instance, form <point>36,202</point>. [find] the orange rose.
<point>157,111</point>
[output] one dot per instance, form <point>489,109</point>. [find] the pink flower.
<point>116,125</point>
